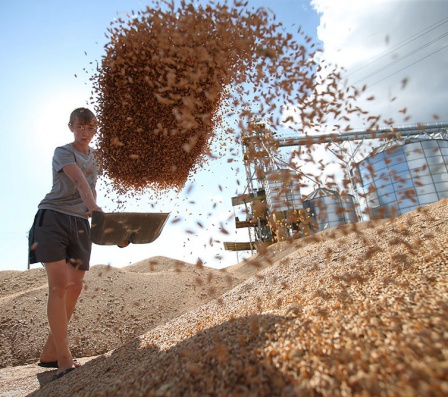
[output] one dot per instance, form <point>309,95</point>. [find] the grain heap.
<point>167,74</point>
<point>362,313</point>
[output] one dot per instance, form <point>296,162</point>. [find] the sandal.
<point>54,364</point>
<point>61,374</point>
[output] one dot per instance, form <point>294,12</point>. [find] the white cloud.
<point>399,49</point>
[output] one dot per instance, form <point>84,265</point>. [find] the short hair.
<point>83,115</point>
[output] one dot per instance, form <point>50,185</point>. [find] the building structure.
<point>407,161</point>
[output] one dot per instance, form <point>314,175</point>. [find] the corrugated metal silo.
<point>329,209</point>
<point>282,191</point>
<point>401,178</point>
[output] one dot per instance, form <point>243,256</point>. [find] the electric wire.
<point>403,57</point>
<point>411,64</point>
<point>399,45</point>
<point>13,236</point>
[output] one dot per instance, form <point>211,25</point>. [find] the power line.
<point>16,235</point>
<point>413,63</point>
<point>400,45</point>
<point>404,57</point>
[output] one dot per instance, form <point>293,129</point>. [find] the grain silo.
<point>408,170</point>
<point>282,190</point>
<point>397,179</point>
<point>284,202</point>
<point>329,209</point>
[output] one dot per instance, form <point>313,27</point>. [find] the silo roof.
<point>321,192</point>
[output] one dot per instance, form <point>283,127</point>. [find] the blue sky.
<point>47,43</point>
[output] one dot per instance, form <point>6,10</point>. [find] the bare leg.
<point>49,353</point>
<point>65,285</point>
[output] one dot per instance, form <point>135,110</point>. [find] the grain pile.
<point>169,74</point>
<point>363,313</point>
<point>116,305</point>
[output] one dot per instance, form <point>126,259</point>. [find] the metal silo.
<point>282,190</point>
<point>284,204</point>
<point>401,178</point>
<point>329,209</point>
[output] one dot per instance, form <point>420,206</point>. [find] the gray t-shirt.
<point>64,196</point>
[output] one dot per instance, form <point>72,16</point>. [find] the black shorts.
<point>55,236</point>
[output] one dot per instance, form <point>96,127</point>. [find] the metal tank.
<point>401,178</point>
<point>329,209</point>
<point>282,190</point>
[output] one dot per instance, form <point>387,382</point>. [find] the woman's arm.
<point>80,181</point>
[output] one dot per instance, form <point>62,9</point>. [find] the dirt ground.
<point>357,310</point>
